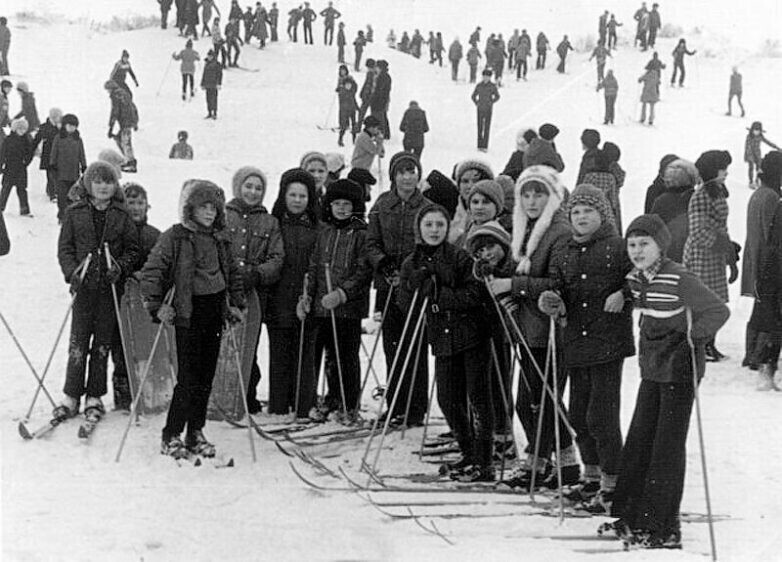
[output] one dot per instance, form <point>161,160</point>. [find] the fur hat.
<point>591,196</point>
<point>492,191</point>
<point>771,169</point>
<point>492,230</point>
<point>362,177</point>
<point>548,131</point>
<point>590,138</point>
<point>335,162</point>
<point>296,175</point>
<point>398,159</point>
<point>23,87</point>
<point>313,155</point>
<point>524,136</point>
<point>114,158</point>
<point>651,225</point>
<point>508,185</point>
<point>612,152</point>
<point>442,192</point>
<point>549,178</point>
<point>241,176</point>
<point>70,119</point>
<point>681,173</point>
<point>483,169</point>
<point>371,121</point>
<point>195,193</point>
<point>20,126</point>
<point>100,170</point>
<point>344,189</point>
<point>711,162</point>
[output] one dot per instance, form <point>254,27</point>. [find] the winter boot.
<point>766,376</point>
<point>570,477</point>
<point>521,478</point>
<point>583,492</point>
<point>601,503</point>
<point>475,473</point>
<point>672,540</point>
<point>197,444</point>
<point>339,140</point>
<point>455,468</point>
<point>172,446</point>
<point>618,529</point>
<point>67,409</point>
<point>712,353</point>
<point>122,398</point>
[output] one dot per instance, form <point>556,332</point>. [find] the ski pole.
<point>426,421</point>
<point>557,443</point>
<point>82,270</point>
<point>145,373</point>
<point>304,290</point>
<point>369,365</point>
<point>128,367</point>
<point>539,427</point>
<point>505,329</point>
<point>250,421</point>
<point>328,114</point>
<point>336,345</point>
<point>415,376</point>
<point>506,406</point>
<point>380,172</point>
<point>695,385</point>
<point>374,347</point>
<point>163,80</point>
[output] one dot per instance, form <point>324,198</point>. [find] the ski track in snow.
<point>65,500</point>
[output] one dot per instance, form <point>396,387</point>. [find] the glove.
<point>234,315</point>
<point>734,273</point>
<point>303,307</point>
<point>114,273</point>
<point>732,257</point>
<point>166,314</point>
<point>551,304</point>
<point>418,277</point>
<point>332,300</point>
<point>482,268</point>
<point>75,282</point>
<point>111,134</point>
<point>387,267</point>
<point>250,278</point>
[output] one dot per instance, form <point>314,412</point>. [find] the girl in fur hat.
<point>466,174</point>
<point>194,257</point>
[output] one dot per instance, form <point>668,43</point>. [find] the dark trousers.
<point>293,32</point>
<point>610,109</point>
<point>211,101</point>
<point>284,369</point>
<point>595,393</point>
<point>541,60</point>
<point>463,386</point>
<point>349,341</point>
<point>528,405</point>
<point>454,70</point>
<point>382,115</point>
<point>737,95</point>
<point>362,111</point>
<point>357,61</point>
<point>341,54</point>
<point>63,186</point>
<point>600,72</point>
<point>198,347</point>
<point>163,18</point>
<point>347,121</point>
<point>233,45</point>
<point>484,127</point>
<point>413,148</point>
<point>255,372</point>
<point>307,33</point>
<point>678,66</point>
<point>651,480</point>
<point>328,35</point>
<point>273,30</point>
<point>473,73</point>
<point>612,39</point>
<point>652,37</point>
<point>521,68</point>
<point>20,183</point>
<point>190,29</point>
<point>220,53</point>
<point>501,395</point>
<point>92,329</point>
<point>187,80</point>
<point>119,379</point>
<point>51,183</point>
<point>392,335</point>
<point>561,65</point>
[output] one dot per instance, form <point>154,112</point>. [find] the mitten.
<point>114,273</point>
<point>482,269</point>
<point>303,307</point>
<point>734,252</point>
<point>332,300</point>
<point>234,315</point>
<point>551,304</point>
<point>75,282</point>
<point>166,313</point>
<point>734,273</point>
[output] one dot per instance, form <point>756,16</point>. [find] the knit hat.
<point>491,230</point>
<point>344,189</point>
<point>711,162</point>
<point>182,135</point>
<point>335,162</point>
<point>362,177</point>
<point>114,158</point>
<point>399,160</point>
<point>651,225</point>
<point>549,178</point>
<point>483,169</point>
<point>195,193</point>
<point>492,191</point>
<point>442,191</point>
<point>20,125</point>
<point>591,196</point>
<point>548,131</point>
<point>241,176</point>
<point>771,169</point>
<point>423,211</point>
<point>681,173</point>
<point>590,138</point>
<point>313,155</point>
<point>23,87</point>
<point>507,184</point>
<point>612,152</point>
<point>99,170</point>
<point>70,119</point>
<point>371,121</point>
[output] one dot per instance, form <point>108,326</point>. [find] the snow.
<point>62,500</point>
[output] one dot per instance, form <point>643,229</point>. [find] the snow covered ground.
<point>62,500</point>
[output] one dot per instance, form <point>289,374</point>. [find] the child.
<point>414,126</point>
<point>120,72</point>
<point>15,155</point>
<point>211,81</point>
<point>542,149</point>
<point>188,56</point>
<point>678,315</point>
<point>368,144</point>
<point>296,211</point>
<point>100,217</point>
<point>125,114</point>
<point>589,272</point>
<point>194,257</point>
<point>650,93</point>
<point>181,150</point>
<point>611,87</point>
<point>441,272</point>
<point>46,135</point>
<point>257,245</point>
<point>67,160</point>
<point>752,152</point>
<point>346,91</point>
<point>339,250</point>
<point>318,166</point>
<point>28,111</point>
<point>467,173</point>
<point>597,173</point>
<point>137,205</point>
<point>590,142</point>
<point>736,89</point>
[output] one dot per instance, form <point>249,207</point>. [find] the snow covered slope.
<point>62,500</point>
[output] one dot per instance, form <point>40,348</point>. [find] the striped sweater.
<point>663,295</point>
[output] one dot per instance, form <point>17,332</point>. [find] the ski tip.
<point>230,463</point>
<point>197,462</point>
<point>24,432</point>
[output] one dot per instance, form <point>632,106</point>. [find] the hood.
<point>427,207</point>
<point>242,174</point>
<point>196,192</point>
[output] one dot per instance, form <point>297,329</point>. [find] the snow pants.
<point>484,127</point>
<point>473,73</point>
<point>392,336</point>
<point>349,341</point>
<point>198,347</point>
<point>93,323</point>
<point>211,101</point>
<point>20,183</point>
<point>678,67</point>
<point>284,368</point>
<point>654,459</point>
<point>595,393</point>
<point>187,80</point>
<point>454,70</point>
<point>125,143</point>
<point>463,386</point>
<point>610,109</point>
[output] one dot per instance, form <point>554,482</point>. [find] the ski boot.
<point>69,408</point>
<point>583,492</point>
<point>173,447</point>
<point>196,443</point>
<point>521,479</point>
<point>475,473</point>
<point>570,477</point>
<point>454,468</point>
<point>318,414</point>
<point>646,540</point>
<point>618,529</point>
<point>93,413</point>
<point>600,504</point>
<point>766,375</point>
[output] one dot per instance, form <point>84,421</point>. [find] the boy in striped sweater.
<point>678,316</point>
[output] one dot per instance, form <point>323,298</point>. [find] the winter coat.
<point>29,111</point>
<point>46,135</point>
<point>391,234</point>
<point>346,90</point>
<point>191,12</point>
<point>364,151</point>
<point>147,238</point>
<point>67,156</point>
<point>515,165</point>
<point>259,27</point>
<point>767,312</point>
<point>485,95</point>
<point>5,37</point>
<point>172,263</point>
<point>368,88</point>
<point>308,15</point>
<point>606,182</point>
<point>672,208</point>
<point>299,234</point>
<point>752,152</point>
<point>526,289</point>
<point>120,71</point>
<point>78,238</point>
<point>123,110</point>
<point>651,87</point>
<point>343,250</point>
<point>654,20</point>
<point>542,43</point>
<point>543,152</point>
<point>455,52</point>
<point>706,247</point>
<point>588,164</point>
<point>382,93</point>
<point>213,75</point>
<point>341,41</point>
<point>473,55</point>
<point>5,243</point>
<point>414,125</point>
<point>664,352</point>
<point>181,151</point>
<point>679,52</point>
<point>329,15</point>
<point>563,48</point>
<point>4,120</point>
<point>188,58</point>
<point>610,85</point>
<point>760,214</point>
<point>455,317</point>
<point>586,273</point>
<point>15,155</point>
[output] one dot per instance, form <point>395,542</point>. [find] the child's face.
<point>137,206</point>
<point>434,228</point>
<point>492,252</point>
<point>205,214</point>
<point>466,182</point>
<point>296,198</point>
<point>643,251</point>
<point>341,209</point>
<point>70,128</point>
<point>586,220</point>
<point>722,175</point>
<point>374,131</point>
<point>318,171</point>
<point>533,203</point>
<point>755,132</point>
<point>482,208</point>
<point>252,191</point>
<point>102,190</point>
<point>406,180</point>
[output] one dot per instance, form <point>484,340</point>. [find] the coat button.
<point>243,246</point>
<point>447,330</point>
<point>241,263</point>
<point>584,333</point>
<point>583,276</point>
<point>584,305</point>
<point>244,230</point>
<point>583,249</point>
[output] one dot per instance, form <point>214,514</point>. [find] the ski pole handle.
<point>328,277</point>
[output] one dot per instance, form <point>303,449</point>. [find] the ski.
<point>246,69</point>
<point>92,417</point>
<point>27,435</point>
<point>332,129</point>
<point>439,451</point>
